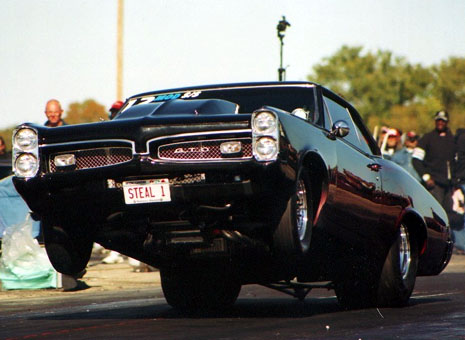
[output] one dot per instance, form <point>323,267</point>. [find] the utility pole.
<point>281,28</point>
<point>119,51</point>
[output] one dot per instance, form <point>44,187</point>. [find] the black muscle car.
<point>279,184</point>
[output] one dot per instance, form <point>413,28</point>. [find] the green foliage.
<point>85,112</point>
<point>387,90</point>
<point>450,83</point>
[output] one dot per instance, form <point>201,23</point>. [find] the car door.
<point>357,203</point>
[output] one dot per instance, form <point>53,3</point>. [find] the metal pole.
<point>281,70</point>
<point>281,28</point>
<point>119,51</point>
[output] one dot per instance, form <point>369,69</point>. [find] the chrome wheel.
<point>293,233</point>
<point>405,255</point>
<point>301,209</point>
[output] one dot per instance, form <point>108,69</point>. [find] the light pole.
<point>119,51</point>
<point>281,28</point>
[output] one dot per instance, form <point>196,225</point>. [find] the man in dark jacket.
<point>434,159</point>
<point>458,197</point>
<point>460,145</point>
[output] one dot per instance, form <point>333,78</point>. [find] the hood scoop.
<point>196,107</point>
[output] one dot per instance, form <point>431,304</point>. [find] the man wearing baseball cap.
<point>434,158</point>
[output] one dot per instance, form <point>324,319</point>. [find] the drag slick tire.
<point>399,271</point>
<point>199,288</point>
<point>393,285</point>
<point>68,248</point>
<point>291,239</point>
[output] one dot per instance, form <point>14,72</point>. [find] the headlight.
<point>26,165</point>
<point>265,135</point>
<point>25,139</point>
<point>264,122</point>
<point>25,151</point>
<point>265,148</point>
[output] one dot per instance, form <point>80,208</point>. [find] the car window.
<point>339,112</point>
<point>248,98</point>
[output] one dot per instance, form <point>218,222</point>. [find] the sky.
<point>66,49</point>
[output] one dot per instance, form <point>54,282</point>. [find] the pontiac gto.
<point>277,183</point>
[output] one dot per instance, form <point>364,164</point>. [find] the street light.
<point>282,25</point>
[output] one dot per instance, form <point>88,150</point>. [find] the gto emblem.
<point>193,149</point>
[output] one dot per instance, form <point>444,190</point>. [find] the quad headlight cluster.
<point>265,135</point>
<point>25,152</point>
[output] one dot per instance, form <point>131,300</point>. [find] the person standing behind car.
<point>3,153</point>
<point>460,167</point>
<point>114,109</point>
<point>53,111</point>
<point>458,197</point>
<point>403,157</point>
<point>434,159</point>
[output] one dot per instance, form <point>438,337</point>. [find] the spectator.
<point>460,167</point>
<point>390,142</point>
<point>114,256</point>
<point>434,158</point>
<point>115,108</point>
<point>458,196</point>
<point>3,153</point>
<point>403,157</point>
<point>53,111</point>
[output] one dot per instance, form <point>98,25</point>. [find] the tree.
<point>85,112</point>
<point>387,90</point>
<point>450,83</point>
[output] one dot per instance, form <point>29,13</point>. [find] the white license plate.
<point>147,191</point>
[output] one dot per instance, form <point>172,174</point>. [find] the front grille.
<point>203,150</point>
<point>95,158</point>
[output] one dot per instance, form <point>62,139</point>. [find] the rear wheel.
<point>399,271</point>
<point>69,249</point>
<point>390,286</point>
<point>292,236</point>
<point>199,288</point>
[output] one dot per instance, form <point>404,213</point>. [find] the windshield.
<point>248,99</point>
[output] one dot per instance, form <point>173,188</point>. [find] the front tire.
<point>199,288</point>
<point>68,249</point>
<point>291,238</point>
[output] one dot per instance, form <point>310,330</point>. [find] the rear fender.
<point>416,226</point>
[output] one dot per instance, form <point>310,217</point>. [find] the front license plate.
<point>147,191</point>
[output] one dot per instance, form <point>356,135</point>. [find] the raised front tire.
<point>192,289</point>
<point>399,271</point>
<point>291,238</point>
<point>68,249</point>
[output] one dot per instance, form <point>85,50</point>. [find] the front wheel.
<point>199,288</point>
<point>68,248</point>
<point>291,238</point>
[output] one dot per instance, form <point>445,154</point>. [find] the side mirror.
<point>340,129</point>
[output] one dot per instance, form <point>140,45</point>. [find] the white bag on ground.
<point>24,264</point>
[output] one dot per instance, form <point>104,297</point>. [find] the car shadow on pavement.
<point>244,308</point>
